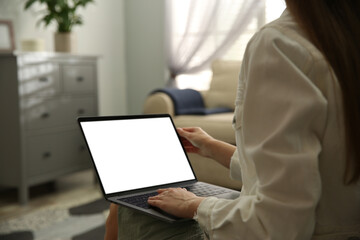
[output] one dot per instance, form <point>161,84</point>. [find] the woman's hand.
<point>195,140</point>
<point>176,201</point>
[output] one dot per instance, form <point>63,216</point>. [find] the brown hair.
<point>333,26</point>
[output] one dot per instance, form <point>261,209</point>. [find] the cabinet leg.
<point>23,195</point>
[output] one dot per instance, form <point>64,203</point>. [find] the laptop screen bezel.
<point>124,117</point>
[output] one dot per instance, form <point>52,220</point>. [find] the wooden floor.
<point>47,195</point>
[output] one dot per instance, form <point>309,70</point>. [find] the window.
<point>201,80</point>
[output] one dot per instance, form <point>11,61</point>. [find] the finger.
<point>153,198</point>
<point>162,190</point>
<point>180,131</point>
<point>185,141</point>
<point>189,129</point>
<point>185,131</point>
<point>192,150</point>
<point>154,202</point>
<point>160,196</point>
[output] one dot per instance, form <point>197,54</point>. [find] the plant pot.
<point>65,42</point>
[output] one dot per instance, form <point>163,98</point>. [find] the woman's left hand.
<point>176,201</point>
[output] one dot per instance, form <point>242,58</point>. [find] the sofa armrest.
<point>159,103</point>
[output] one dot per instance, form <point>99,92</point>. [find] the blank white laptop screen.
<point>136,153</point>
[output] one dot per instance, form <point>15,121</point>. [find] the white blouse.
<point>290,146</point>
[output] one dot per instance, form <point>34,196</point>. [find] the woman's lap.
<point>135,225</point>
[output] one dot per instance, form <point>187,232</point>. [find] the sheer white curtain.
<point>191,27</point>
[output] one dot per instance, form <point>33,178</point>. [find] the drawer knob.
<point>43,79</point>
<point>81,111</point>
<point>45,115</point>
<point>80,79</point>
<point>82,148</point>
<point>46,155</point>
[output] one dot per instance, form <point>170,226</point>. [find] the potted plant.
<point>63,12</point>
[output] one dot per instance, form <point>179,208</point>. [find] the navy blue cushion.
<point>189,102</point>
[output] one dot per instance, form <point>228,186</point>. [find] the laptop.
<point>135,155</point>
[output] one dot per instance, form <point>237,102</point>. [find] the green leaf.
<point>62,11</point>
<point>47,19</point>
<point>29,3</point>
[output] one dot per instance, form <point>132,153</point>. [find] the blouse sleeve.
<point>235,172</point>
<point>279,136</point>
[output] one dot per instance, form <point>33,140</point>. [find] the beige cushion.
<point>222,92</point>
<point>210,171</point>
<point>218,126</point>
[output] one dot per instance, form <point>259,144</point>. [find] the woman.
<point>296,122</point>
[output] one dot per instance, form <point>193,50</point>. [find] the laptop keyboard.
<point>200,190</point>
<point>139,200</point>
<point>203,190</point>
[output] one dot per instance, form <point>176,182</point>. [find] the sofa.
<point>221,94</point>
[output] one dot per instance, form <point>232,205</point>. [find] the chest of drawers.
<point>41,96</point>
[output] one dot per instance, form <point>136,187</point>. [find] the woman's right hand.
<point>196,140</point>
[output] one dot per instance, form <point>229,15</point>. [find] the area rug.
<point>84,219</point>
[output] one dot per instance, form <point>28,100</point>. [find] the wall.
<point>145,58</point>
<point>103,35</point>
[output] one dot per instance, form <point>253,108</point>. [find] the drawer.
<point>41,80</point>
<point>47,113</point>
<point>55,152</point>
<point>79,78</point>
